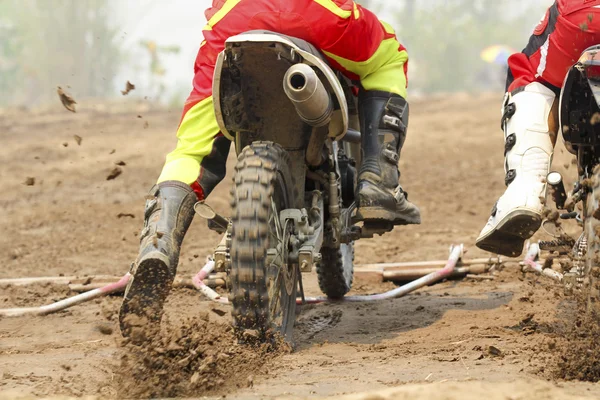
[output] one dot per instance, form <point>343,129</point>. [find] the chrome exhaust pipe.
<point>310,98</point>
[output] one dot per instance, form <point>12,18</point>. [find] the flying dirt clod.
<point>123,215</point>
<point>114,173</point>
<point>128,88</point>
<point>66,99</point>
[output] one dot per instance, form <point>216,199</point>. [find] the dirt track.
<point>452,167</point>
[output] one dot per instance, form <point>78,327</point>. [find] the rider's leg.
<point>534,79</point>
<point>190,173</point>
<point>380,64</point>
<point>384,120</point>
<point>529,146</point>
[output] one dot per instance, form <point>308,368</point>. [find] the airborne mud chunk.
<point>114,173</point>
<point>128,88</point>
<point>66,99</point>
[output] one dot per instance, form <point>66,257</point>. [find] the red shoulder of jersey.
<point>566,7</point>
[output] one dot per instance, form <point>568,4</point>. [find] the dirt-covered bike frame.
<point>294,122</point>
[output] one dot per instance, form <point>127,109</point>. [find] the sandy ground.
<point>433,344</point>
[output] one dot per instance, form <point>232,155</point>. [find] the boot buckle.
<point>510,176</point>
<point>508,110</point>
<point>494,210</point>
<point>145,232</point>
<point>399,193</point>
<point>390,155</point>
<point>151,206</point>
<point>511,140</point>
<point>392,121</point>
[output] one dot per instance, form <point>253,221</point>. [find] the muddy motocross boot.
<point>384,119</point>
<point>528,149</point>
<point>168,215</point>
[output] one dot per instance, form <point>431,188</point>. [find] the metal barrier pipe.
<point>429,279</point>
<point>198,282</point>
<point>532,253</point>
<point>68,302</point>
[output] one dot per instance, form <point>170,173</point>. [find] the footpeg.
<point>216,222</point>
<point>570,215</point>
<point>373,228</point>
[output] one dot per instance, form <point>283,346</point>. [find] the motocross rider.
<point>354,42</point>
<point>530,119</point>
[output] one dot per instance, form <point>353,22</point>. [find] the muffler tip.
<point>297,81</point>
<point>308,94</point>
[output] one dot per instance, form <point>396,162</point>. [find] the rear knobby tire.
<point>335,270</point>
<point>262,174</point>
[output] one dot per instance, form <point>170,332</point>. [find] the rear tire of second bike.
<point>335,271</point>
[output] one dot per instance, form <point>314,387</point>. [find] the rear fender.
<point>339,121</point>
<point>579,102</point>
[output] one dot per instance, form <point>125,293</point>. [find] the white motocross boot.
<point>517,215</point>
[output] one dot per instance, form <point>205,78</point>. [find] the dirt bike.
<point>294,123</point>
<point>579,117</point>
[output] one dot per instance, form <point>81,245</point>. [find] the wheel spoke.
<point>274,235</point>
<point>275,216</point>
<point>275,293</point>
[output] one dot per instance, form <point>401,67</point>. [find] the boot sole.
<point>146,293</point>
<point>376,214</point>
<point>508,238</point>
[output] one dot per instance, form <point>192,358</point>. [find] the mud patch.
<point>193,358</point>
<point>308,326</point>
